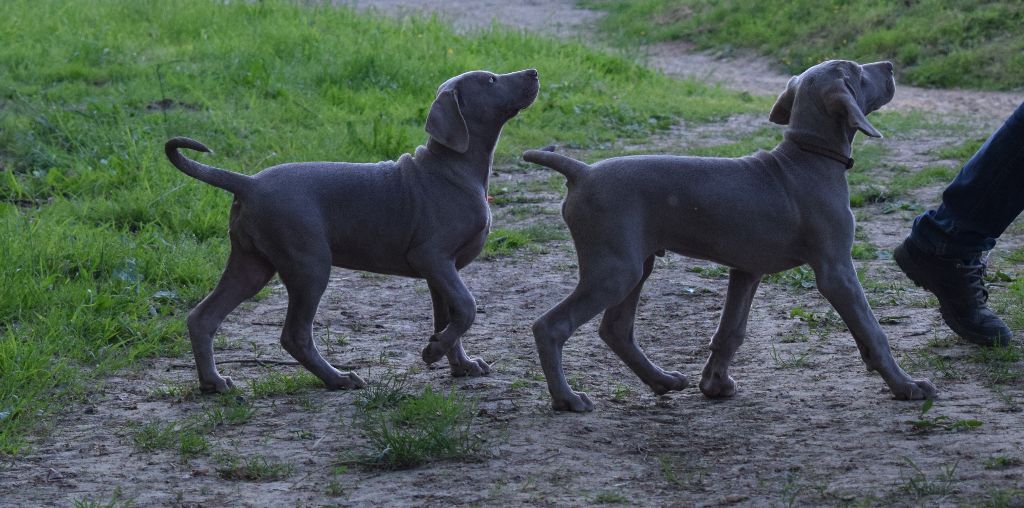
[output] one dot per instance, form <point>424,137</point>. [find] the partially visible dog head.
<point>837,92</point>
<point>479,102</point>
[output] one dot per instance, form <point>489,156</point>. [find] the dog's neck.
<point>817,146</point>
<point>474,165</point>
<point>837,145</point>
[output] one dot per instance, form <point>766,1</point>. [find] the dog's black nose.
<point>532,73</point>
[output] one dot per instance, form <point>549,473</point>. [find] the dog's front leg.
<point>837,281</point>
<point>457,303</point>
<point>715,381</point>
<point>460,363</point>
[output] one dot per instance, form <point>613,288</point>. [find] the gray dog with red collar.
<point>757,215</point>
<point>424,216</point>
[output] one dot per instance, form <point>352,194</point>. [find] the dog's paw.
<point>345,381</point>
<point>219,385</point>
<point>475,367</point>
<point>434,351</point>
<point>577,402</point>
<point>717,387</point>
<point>671,381</point>
<point>914,389</point>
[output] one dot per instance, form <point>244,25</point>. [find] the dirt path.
<point>809,426</point>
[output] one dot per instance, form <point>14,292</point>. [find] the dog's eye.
<point>490,80</point>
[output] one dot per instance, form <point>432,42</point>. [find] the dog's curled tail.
<point>234,183</point>
<point>571,168</point>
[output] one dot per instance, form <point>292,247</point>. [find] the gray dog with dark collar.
<point>759,214</point>
<point>424,216</point>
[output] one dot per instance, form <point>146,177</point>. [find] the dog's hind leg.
<point>306,280</point>
<point>461,364</point>
<point>617,331</point>
<point>715,381</point>
<point>837,281</point>
<point>246,273</point>
<point>604,281</point>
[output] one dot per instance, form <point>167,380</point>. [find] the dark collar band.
<point>831,154</point>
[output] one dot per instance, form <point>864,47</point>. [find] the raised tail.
<point>235,183</point>
<point>571,168</point>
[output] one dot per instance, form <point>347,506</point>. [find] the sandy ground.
<point>809,425</point>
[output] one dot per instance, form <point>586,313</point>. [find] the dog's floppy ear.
<point>445,122</point>
<point>784,104</point>
<point>842,102</point>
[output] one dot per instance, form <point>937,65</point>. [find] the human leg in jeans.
<point>944,251</point>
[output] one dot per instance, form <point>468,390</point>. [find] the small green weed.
<point>791,489</point>
<point>945,366</point>
<point>863,195</point>
<point>277,383</point>
<point>505,241</point>
<point>918,484</point>
<point>117,499</point>
<point>253,469</point>
<point>864,251</point>
<point>1005,498</point>
<point>827,319</point>
<point>383,393</point>
<point>1002,462</point>
<point>621,393</point>
<point>669,470</point>
<point>232,409</point>
<point>790,362</point>
<point>519,384</point>
<point>179,392</point>
<point>187,439</point>
<point>1001,364</point>
<point>419,429</point>
<point>335,489</point>
<point>801,277</point>
<point>609,497</point>
<point>925,423</point>
<point>710,271</point>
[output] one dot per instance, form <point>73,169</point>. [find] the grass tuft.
<point>411,430</point>
<point>277,383</point>
<point>253,469</point>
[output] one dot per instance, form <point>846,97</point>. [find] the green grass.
<point>937,43</point>
<point>253,469</point>
<point>188,440</point>
<point>505,241</point>
<point>801,277</point>
<point>106,245</point>
<point>1002,462</point>
<point>406,431</point>
<point>276,383</point>
<point>904,181</point>
<point>962,152</point>
<point>610,497</point>
<point>188,436</point>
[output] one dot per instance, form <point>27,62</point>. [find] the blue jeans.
<point>983,199</point>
